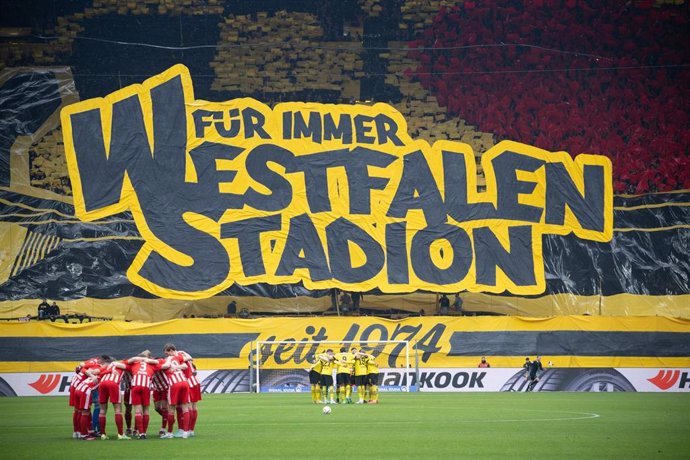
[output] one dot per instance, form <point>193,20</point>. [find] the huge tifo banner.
<point>323,195</point>
<point>167,196</point>
<point>397,380</point>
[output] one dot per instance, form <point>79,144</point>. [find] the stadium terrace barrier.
<point>440,342</point>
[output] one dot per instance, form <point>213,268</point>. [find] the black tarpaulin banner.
<point>170,197</point>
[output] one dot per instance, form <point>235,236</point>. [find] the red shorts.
<point>195,393</point>
<point>140,396</point>
<point>83,399</point>
<point>160,395</point>
<point>109,391</point>
<point>72,396</point>
<point>178,394</point>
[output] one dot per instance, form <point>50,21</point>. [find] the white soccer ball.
<point>326,410</point>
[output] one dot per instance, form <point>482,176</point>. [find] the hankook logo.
<point>46,383</point>
<point>667,378</point>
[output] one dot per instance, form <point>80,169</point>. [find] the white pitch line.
<point>582,416</point>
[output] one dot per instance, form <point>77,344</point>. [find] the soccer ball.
<point>326,410</point>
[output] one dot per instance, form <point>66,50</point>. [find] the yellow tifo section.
<point>298,59</point>
<point>430,332</point>
<point>11,238</point>
<point>152,310</point>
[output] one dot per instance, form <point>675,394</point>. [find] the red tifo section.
<point>615,80</point>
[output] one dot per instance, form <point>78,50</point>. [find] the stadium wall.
<point>669,380</point>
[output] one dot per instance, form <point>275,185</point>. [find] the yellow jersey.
<point>326,365</point>
<point>361,365</point>
<point>316,366</point>
<point>372,367</point>
<point>344,363</point>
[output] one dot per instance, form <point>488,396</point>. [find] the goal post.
<point>282,366</point>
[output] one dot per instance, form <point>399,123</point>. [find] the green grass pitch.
<point>414,426</point>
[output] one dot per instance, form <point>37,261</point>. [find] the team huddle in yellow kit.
<point>355,368</point>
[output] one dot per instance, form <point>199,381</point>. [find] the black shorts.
<point>373,379</point>
<point>326,380</point>
<point>314,377</point>
<point>360,380</point>
<point>342,378</point>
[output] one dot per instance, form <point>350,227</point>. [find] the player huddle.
<point>171,380</point>
<point>352,369</point>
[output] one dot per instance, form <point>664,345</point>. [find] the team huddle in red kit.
<point>171,380</point>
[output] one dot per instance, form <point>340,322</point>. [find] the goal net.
<point>283,366</point>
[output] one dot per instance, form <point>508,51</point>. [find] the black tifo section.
<point>26,102</point>
<point>574,343</point>
<point>121,347</point>
<point>102,67</point>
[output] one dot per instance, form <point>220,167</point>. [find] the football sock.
<point>164,416</point>
<point>185,421</point>
<point>128,419</point>
<point>145,423</point>
<point>348,391</point>
<point>118,423</point>
<point>374,393</point>
<point>76,421</point>
<point>101,423</point>
<point>85,425</point>
<point>171,420</point>
<point>341,393</point>
<point>194,413</point>
<point>360,392</point>
<point>138,423</point>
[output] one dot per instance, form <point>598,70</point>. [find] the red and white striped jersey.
<point>79,376</point>
<point>142,373</point>
<point>159,382</point>
<point>175,376</point>
<point>193,381</point>
<point>180,358</point>
<point>87,384</point>
<point>191,377</point>
<point>77,379</point>
<point>112,373</point>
